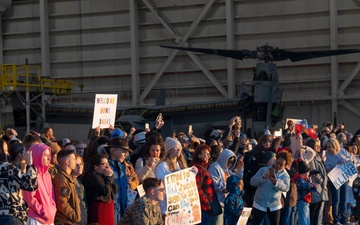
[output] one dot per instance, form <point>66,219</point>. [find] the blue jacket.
<point>233,202</point>
<point>304,188</point>
<point>342,157</point>
<point>267,194</point>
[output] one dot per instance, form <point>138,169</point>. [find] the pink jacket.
<point>42,201</point>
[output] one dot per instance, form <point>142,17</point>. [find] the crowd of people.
<point>284,179</point>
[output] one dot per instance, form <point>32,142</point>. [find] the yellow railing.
<point>28,78</point>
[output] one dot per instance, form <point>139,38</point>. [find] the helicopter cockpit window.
<point>263,76</point>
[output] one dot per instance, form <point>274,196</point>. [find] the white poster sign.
<point>141,190</point>
<point>182,196</point>
<point>341,173</point>
<point>297,121</point>
<point>244,216</point>
<point>104,110</point>
<point>295,145</point>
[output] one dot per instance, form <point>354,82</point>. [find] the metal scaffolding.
<point>38,90</point>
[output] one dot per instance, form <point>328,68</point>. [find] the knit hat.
<point>65,141</point>
<point>253,142</point>
<point>267,156</point>
<point>243,136</point>
<point>139,138</point>
<point>170,143</point>
<point>303,167</point>
<point>117,133</point>
<point>267,132</point>
<point>216,134</point>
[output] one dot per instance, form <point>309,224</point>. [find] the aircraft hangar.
<point>113,47</point>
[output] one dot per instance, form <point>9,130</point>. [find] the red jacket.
<point>205,186</point>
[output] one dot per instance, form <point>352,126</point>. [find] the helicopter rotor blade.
<point>280,54</point>
<point>267,54</point>
<point>235,54</point>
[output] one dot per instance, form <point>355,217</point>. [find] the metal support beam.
<point>315,97</point>
<point>197,20</point>
<point>334,63</point>
<point>43,109</point>
<point>3,6</point>
<point>208,73</point>
<point>181,41</point>
<point>351,107</point>
<point>347,81</point>
<point>151,5</point>
<point>230,34</point>
<point>27,107</point>
<point>29,103</point>
<point>158,74</point>
<point>134,43</point>
<point>44,33</point>
<point>1,47</point>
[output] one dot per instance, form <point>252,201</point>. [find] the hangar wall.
<point>112,46</point>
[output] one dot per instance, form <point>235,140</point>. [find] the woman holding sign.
<point>173,161</point>
<point>335,155</point>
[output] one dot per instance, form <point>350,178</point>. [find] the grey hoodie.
<point>217,171</point>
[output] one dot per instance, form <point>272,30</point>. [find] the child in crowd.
<point>304,188</point>
<point>233,205</point>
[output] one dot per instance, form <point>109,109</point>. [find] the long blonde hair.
<point>172,166</point>
<point>333,146</point>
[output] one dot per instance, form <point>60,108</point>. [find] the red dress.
<point>101,213</point>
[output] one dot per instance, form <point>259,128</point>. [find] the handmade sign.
<point>341,173</point>
<point>104,110</point>
<point>244,216</point>
<point>183,203</point>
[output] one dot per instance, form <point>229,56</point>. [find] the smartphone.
<point>160,116</point>
<point>147,126</point>
<point>190,128</point>
<point>271,171</point>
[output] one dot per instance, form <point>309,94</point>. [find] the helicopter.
<point>266,96</point>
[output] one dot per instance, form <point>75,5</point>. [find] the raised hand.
<point>28,157</point>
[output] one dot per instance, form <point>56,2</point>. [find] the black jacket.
<point>99,187</point>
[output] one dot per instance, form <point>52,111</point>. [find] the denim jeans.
<point>217,220</point>
<point>303,209</point>
<point>10,220</point>
<point>316,211</point>
<point>294,215</point>
<point>287,216</point>
<point>205,218</point>
<point>338,202</point>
